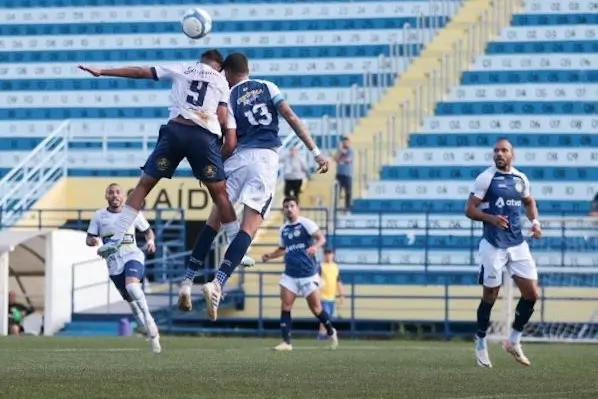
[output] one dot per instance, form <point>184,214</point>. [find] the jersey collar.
<point>240,83</point>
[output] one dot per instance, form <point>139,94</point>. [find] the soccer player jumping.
<point>498,196</point>
<point>254,111</point>
<point>198,114</point>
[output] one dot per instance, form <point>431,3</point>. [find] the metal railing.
<point>34,175</point>
<point>422,93</point>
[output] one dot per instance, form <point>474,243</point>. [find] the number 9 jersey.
<point>252,111</point>
<point>197,91</point>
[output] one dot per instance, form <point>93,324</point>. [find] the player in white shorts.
<point>498,197</point>
<point>127,266</point>
<point>251,166</point>
<point>300,241</point>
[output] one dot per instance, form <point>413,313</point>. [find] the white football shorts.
<point>518,261</point>
<point>301,286</point>
<point>116,262</point>
<point>251,176</point>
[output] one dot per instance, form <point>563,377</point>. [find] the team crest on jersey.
<point>209,171</point>
<point>249,97</point>
<point>519,187</point>
<point>162,164</point>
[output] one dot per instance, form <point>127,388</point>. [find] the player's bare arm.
<point>473,213</point>
<point>531,210</point>
<point>150,240</point>
<point>319,242</point>
<point>301,131</point>
<point>126,72</point>
<point>277,253</point>
<point>92,241</point>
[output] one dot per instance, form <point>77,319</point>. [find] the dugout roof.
<point>27,250</point>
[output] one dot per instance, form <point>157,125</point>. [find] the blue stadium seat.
<point>509,77</point>
<point>539,47</point>
<point>536,173</point>
<point>482,139</point>
<point>362,205</point>
<point>516,108</point>
<point>139,55</point>
<point>87,3</point>
<point>554,19</point>
<point>120,28</point>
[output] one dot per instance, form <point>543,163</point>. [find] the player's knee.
<point>131,280</point>
<point>490,294</point>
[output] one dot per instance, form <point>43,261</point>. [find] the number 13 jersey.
<point>197,91</point>
<point>253,112</point>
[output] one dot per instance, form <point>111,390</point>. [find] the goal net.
<point>567,261</point>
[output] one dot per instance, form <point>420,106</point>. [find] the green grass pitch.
<point>248,368</point>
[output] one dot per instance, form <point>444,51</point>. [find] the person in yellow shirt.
<point>331,287</point>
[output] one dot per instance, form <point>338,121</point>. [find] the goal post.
<point>567,261</point>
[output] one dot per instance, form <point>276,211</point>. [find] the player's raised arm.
<point>229,130</point>
<point>126,72</point>
<point>298,127</point>
<point>476,197</point>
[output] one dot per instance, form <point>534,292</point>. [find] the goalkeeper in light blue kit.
<point>498,196</point>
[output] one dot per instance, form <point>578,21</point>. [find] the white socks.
<point>138,297</point>
<point>126,219</point>
<point>515,336</point>
<point>231,230</point>
<point>138,314</point>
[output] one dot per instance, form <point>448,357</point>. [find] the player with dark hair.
<point>251,167</point>
<point>498,196</point>
<point>198,116</point>
<point>300,241</point>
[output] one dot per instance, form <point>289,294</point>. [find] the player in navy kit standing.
<point>499,194</point>
<point>251,166</point>
<point>300,240</point>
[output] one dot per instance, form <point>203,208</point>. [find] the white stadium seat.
<point>432,190</point>
<point>220,40</point>
<point>443,260</point>
<point>228,12</point>
<point>472,156</point>
<point>146,98</point>
<point>548,33</point>
<point>505,124</point>
<point>148,129</point>
<point>274,67</point>
<point>559,6</point>
<point>534,62</point>
<point>527,92</point>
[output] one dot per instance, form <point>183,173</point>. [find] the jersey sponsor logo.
<point>249,97</point>
<point>295,247</point>
<point>501,203</point>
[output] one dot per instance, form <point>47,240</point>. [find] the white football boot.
<point>212,294</point>
<point>247,261</point>
<point>283,346</point>
<point>515,350</point>
<point>334,338</point>
<point>109,248</point>
<point>184,302</point>
<point>154,335</point>
<point>481,352</point>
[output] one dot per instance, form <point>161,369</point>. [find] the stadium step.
<point>419,75</point>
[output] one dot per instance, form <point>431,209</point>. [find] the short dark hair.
<point>212,55</point>
<point>289,199</point>
<point>236,63</point>
<point>328,251</point>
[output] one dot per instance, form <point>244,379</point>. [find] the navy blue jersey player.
<point>300,240</point>
<point>499,196</point>
<point>251,165</point>
<point>198,113</point>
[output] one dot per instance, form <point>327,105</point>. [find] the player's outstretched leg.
<point>134,272</point>
<point>315,305</point>
<point>523,313</point>
<point>139,318</point>
<point>128,215</point>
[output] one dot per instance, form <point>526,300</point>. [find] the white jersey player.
<point>198,115</point>
<point>127,266</point>
<point>252,141</point>
<point>498,197</point>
